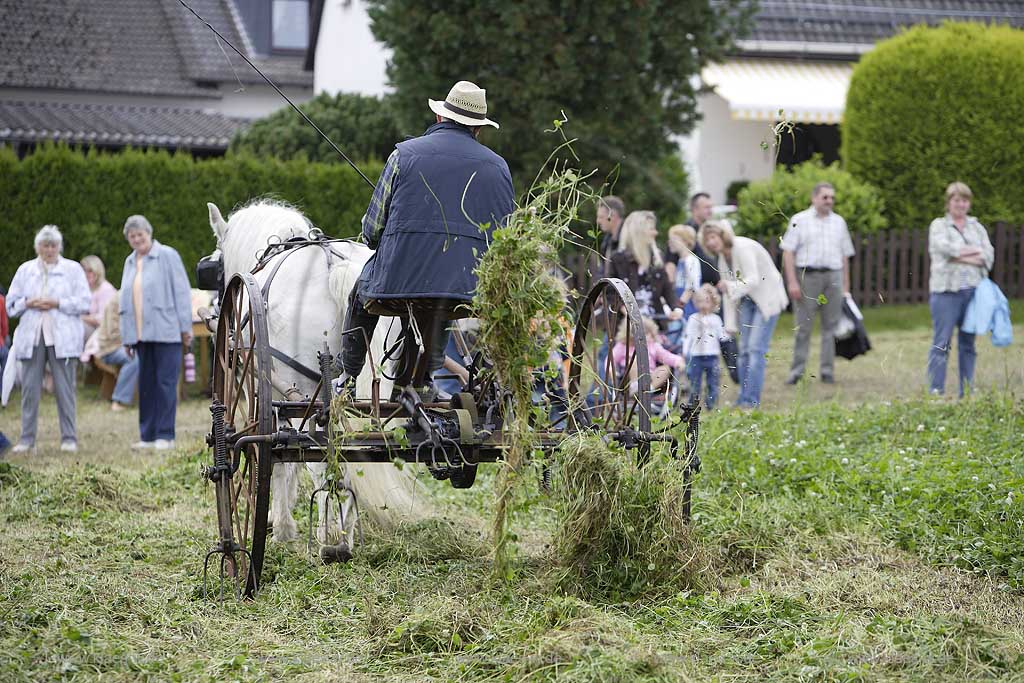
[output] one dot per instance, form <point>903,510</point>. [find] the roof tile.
<point>151,126</point>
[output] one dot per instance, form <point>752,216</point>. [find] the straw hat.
<point>465,104</point>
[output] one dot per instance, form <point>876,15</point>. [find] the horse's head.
<point>250,229</point>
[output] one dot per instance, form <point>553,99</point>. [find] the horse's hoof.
<point>335,553</point>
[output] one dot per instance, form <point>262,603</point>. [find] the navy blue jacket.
<point>448,186</point>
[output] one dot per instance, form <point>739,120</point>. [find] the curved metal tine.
<point>329,489</point>
<point>206,569</point>
<point>234,562</point>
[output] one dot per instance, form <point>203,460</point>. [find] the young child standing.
<point>701,345</point>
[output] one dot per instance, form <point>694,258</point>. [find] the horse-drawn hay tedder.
<point>259,423</point>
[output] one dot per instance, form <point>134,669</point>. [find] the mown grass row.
<point>807,517</point>
<point>943,480</point>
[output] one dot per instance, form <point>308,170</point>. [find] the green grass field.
<point>852,532</point>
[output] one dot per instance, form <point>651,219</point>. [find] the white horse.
<point>306,306</point>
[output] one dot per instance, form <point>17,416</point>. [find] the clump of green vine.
<point>622,531</point>
<point>520,301</point>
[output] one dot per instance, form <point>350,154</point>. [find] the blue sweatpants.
<point>159,366</point>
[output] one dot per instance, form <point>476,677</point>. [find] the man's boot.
<point>344,385</point>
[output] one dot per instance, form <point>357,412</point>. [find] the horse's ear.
<point>217,222</point>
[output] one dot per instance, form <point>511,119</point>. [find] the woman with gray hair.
<point>49,293</point>
<point>156,323</point>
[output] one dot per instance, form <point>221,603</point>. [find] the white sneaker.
<point>24,448</point>
<point>140,445</point>
<point>163,444</point>
<point>69,446</point>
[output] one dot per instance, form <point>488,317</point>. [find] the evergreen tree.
<point>622,72</point>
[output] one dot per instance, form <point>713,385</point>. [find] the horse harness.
<point>315,238</point>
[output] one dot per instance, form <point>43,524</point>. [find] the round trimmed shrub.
<point>934,105</point>
<point>765,206</point>
<point>362,126</point>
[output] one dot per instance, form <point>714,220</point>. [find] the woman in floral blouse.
<point>961,255</point>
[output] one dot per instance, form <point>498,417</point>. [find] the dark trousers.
<point>159,366</point>
<point>431,323</point>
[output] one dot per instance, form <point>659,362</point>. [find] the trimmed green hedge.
<point>89,196</point>
<point>934,105</point>
<point>765,206</point>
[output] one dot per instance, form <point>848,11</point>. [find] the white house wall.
<point>348,58</point>
<point>723,150</point>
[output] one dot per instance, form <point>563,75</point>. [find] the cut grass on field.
<point>844,541</point>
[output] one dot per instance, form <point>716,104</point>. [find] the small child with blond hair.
<point>702,345</point>
<point>681,240</point>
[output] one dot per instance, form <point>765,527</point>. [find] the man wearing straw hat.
<point>430,220</point>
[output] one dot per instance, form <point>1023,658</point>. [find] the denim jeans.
<point>127,378</point>
<point>698,367</point>
<point>948,309</point>
<point>755,338</point>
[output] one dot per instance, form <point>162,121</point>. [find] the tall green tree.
<point>621,71</point>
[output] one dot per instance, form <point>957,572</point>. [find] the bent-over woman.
<point>754,297</point>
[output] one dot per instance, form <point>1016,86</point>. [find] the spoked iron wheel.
<point>241,384</point>
<point>603,394</point>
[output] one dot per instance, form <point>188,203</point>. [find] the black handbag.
<point>730,355</point>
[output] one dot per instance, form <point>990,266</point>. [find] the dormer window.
<point>289,25</point>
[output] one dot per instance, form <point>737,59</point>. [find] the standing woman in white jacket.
<point>49,293</point>
<point>754,295</point>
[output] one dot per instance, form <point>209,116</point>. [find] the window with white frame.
<point>290,25</point>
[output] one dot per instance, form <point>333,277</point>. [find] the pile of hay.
<point>621,530</point>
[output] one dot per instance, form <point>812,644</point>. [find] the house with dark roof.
<point>795,66</point>
<point>146,73</point>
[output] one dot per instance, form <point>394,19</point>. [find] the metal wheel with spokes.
<point>620,399</point>
<point>241,384</point>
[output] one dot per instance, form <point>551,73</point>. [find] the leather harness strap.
<point>289,247</point>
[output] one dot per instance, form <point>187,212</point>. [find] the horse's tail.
<point>387,494</point>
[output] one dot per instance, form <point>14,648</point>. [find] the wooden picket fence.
<point>889,267</point>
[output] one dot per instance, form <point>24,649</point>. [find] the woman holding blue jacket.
<point>961,255</point>
<point>156,324</point>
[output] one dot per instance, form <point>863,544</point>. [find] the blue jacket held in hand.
<point>448,186</point>
<point>989,311</point>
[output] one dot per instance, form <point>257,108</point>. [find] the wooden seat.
<point>109,377</point>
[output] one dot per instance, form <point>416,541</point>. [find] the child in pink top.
<point>660,359</point>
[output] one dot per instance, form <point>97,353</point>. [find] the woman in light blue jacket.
<point>49,293</point>
<point>156,323</point>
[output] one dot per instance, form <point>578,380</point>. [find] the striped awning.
<point>775,90</point>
